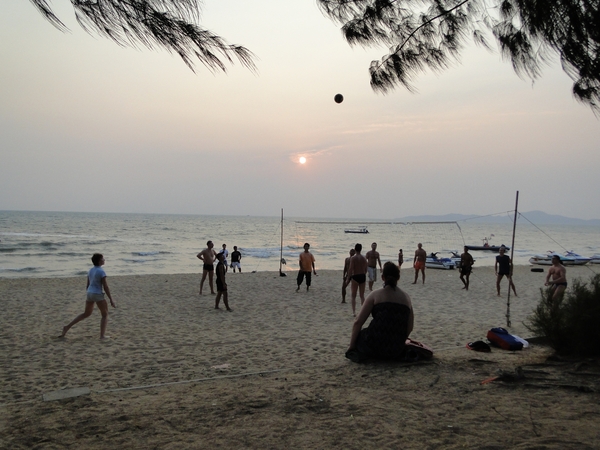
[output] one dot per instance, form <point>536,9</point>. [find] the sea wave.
<point>19,270</point>
<point>150,253</point>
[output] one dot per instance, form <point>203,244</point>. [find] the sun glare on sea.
<point>302,160</point>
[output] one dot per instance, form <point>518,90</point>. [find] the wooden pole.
<point>512,252</point>
<point>281,274</point>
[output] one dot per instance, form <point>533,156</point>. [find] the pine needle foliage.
<point>169,24</point>
<point>570,324</point>
<point>430,34</point>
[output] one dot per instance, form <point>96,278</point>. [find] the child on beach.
<point>221,284</point>
<point>96,280</point>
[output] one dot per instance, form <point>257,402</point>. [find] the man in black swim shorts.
<point>360,278</point>
<point>466,264</point>
<point>207,256</point>
<point>357,275</point>
<point>558,272</point>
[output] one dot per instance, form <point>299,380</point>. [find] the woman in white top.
<point>96,281</point>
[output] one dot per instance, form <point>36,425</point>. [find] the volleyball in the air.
<point>339,98</point>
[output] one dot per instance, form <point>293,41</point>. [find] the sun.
<point>302,160</point>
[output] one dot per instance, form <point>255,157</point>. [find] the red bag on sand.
<point>416,351</point>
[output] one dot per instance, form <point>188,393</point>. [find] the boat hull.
<point>547,261</point>
<point>437,264</point>
<point>489,248</point>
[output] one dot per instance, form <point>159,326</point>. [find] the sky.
<point>87,125</point>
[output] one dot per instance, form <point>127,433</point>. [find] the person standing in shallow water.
<point>96,280</point>
<point>307,267</point>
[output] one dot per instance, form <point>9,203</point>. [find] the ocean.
<point>60,244</point>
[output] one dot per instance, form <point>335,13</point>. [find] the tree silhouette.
<point>423,34</point>
<point>169,24</point>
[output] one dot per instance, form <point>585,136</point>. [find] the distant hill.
<point>536,217</point>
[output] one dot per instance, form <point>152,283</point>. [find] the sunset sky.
<point>86,125</point>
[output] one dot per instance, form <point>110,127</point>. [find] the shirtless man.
<point>207,256</point>
<point>372,260</point>
<point>307,263</point>
<point>345,274</point>
<point>466,264</point>
<point>419,262</point>
<point>357,274</point>
<point>558,272</point>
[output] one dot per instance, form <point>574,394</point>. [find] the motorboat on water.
<point>487,247</point>
<point>358,230</point>
<point>565,260</point>
<point>434,262</point>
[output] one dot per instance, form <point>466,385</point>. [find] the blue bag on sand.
<point>501,338</point>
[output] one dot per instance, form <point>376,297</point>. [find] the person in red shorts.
<point>419,262</point>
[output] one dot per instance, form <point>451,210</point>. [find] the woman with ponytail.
<point>392,323</point>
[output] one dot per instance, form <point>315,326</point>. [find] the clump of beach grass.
<point>570,323</point>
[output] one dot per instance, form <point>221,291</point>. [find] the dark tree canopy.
<point>423,34</point>
<point>169,24</point>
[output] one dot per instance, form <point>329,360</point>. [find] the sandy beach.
<point>176,373</point>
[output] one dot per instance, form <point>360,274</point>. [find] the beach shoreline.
<point>277,359</point>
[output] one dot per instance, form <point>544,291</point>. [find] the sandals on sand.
<point>479,346</point>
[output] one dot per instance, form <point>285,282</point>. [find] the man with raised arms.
<point>207,256</point>
<point>345,274</point>
<point>357,275</point>
<point>558,272</point>
<point>419,262</point>
<point>372,260</point>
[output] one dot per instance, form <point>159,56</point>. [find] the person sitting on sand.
<point>392,323</point>
<point>96,280</point>
<point>221,284</point>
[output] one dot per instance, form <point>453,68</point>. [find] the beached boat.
<point>565,260</point>
<point>434,262</point>
<point>359,230</point>
<point>595,259</point>
<point>456,259</point>
<point>579,260</point>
